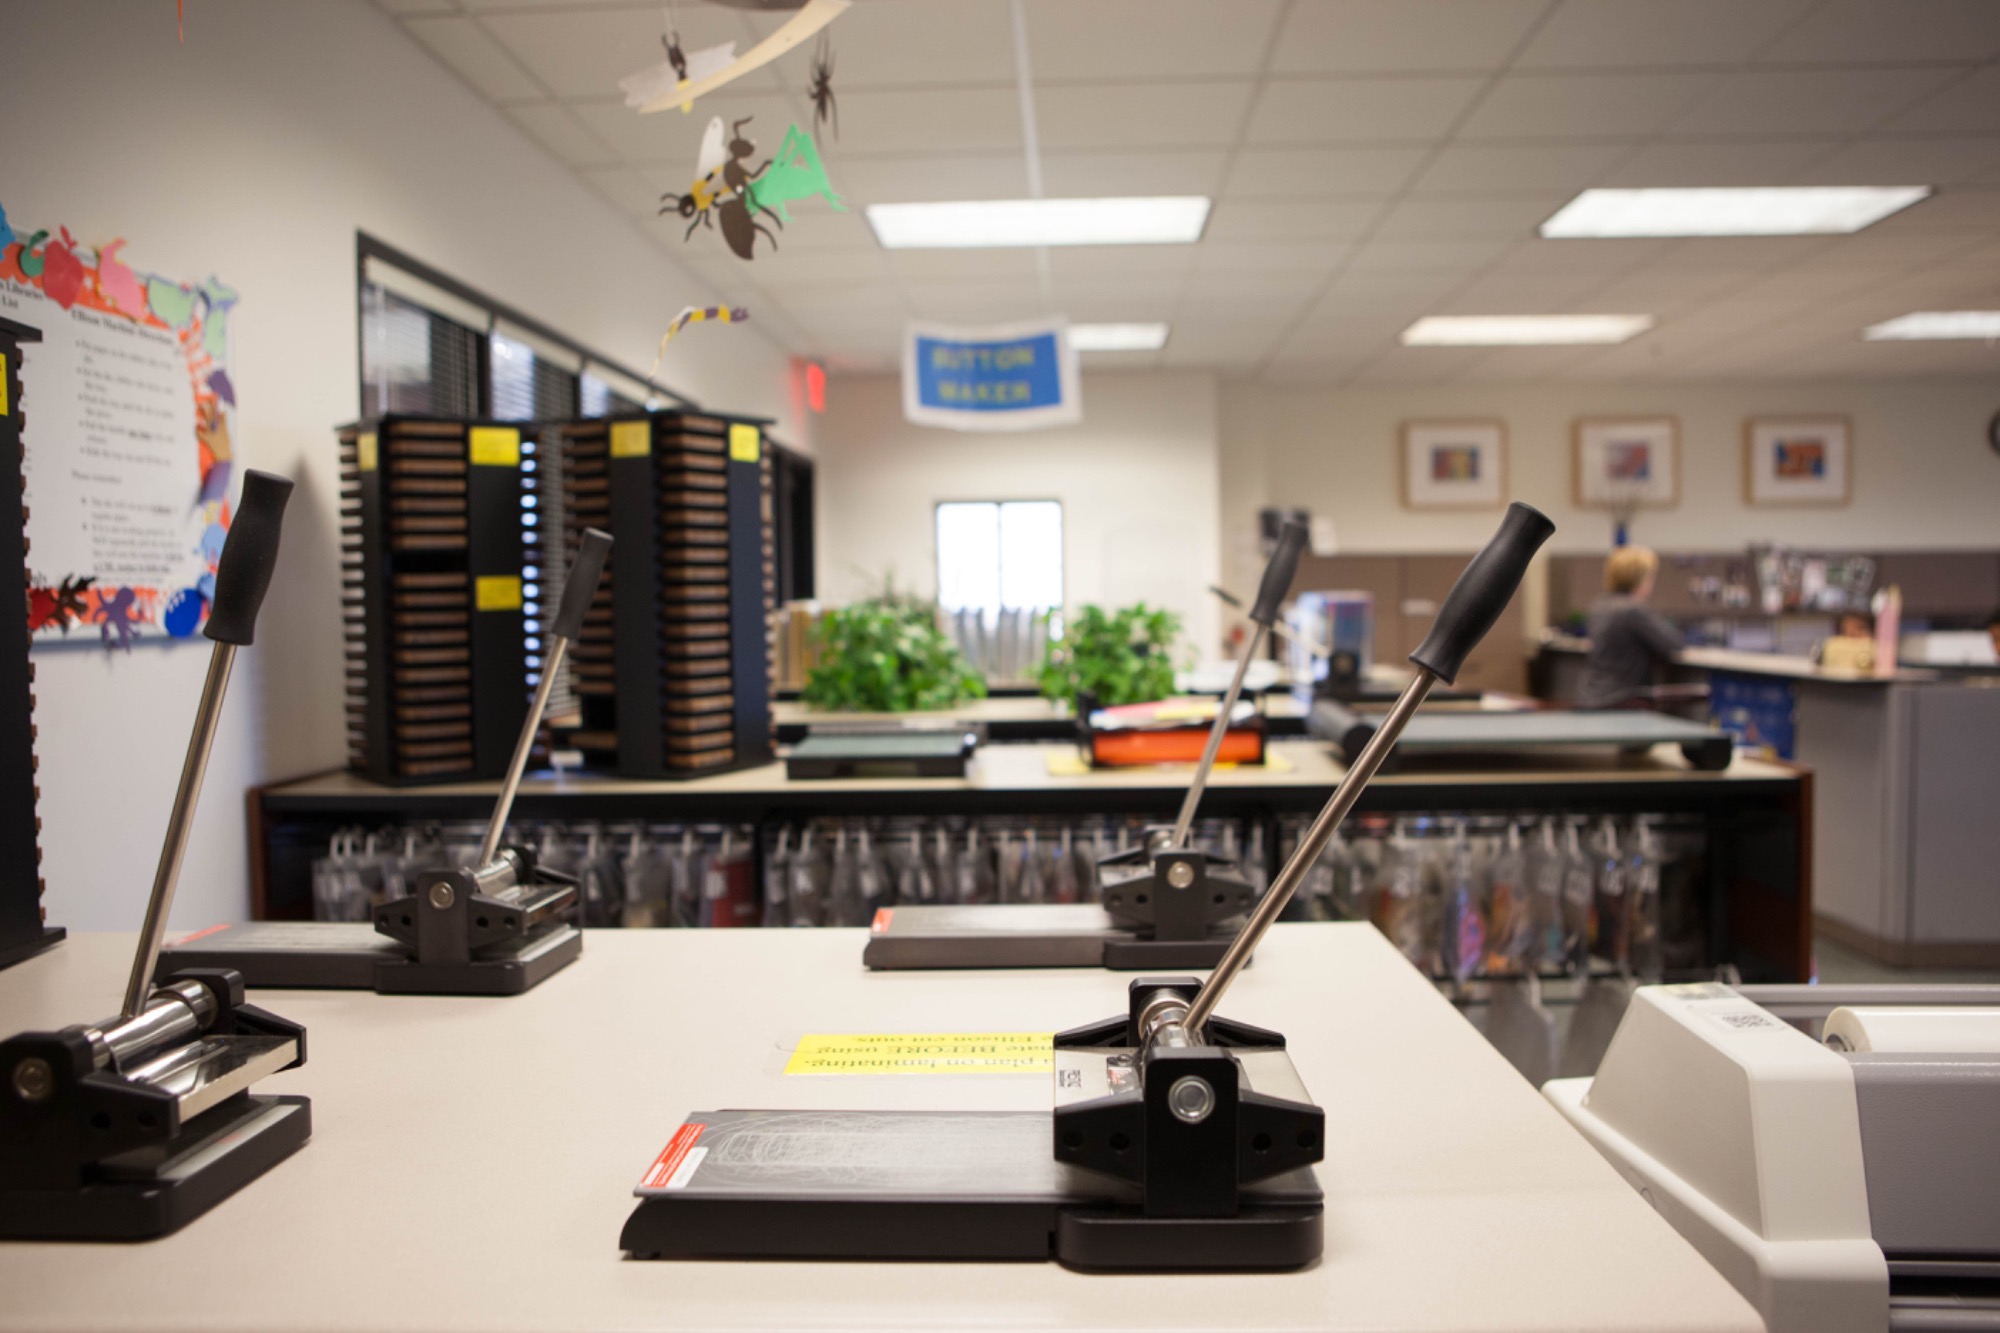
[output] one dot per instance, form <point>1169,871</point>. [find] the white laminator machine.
<point>1834,1151</point>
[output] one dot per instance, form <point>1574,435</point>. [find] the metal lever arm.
<point>581,589</point>
<point>242,576</point>
<point>1277,579</point>
<point>1469,610</point>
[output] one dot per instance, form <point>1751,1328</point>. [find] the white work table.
<point>472,1160</point>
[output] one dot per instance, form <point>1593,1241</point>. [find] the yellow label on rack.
<point>364,451</point>
<point>495,446</point>
<point>496,592</point>
<point>744,442</point>
<point>6,410</point>
<point>924,1053</point>
<point>631,439</point>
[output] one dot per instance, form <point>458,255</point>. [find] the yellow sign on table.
<point>923,1053</point>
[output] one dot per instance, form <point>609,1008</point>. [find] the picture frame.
<point>1798,460</point>
<point>1626,463</point>
<point>1455,464</point>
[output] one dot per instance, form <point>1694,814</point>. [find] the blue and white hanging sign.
<point>1008,377</point>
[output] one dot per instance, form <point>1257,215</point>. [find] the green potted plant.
<point>887,655</point>
<point>1119,657</point>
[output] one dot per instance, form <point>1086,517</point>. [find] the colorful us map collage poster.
<point>127,406</point>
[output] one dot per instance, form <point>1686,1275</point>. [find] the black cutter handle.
<point>1482,592</point>
<point>249,554</point>
<point>584,573</point>
<point>1278,574</point>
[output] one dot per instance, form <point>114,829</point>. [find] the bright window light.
<point>1926,325</point>
<point>1804,210</point>
<point>994,223</point>
<point>1523,330</point>
<point>999,556</point>
<point>1117,337</point>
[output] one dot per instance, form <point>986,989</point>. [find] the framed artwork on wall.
<point>1798,460</point>
<point>1626,463</point>
<point>1454,464</point>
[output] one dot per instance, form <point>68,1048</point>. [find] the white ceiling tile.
<point>584,53</point>
<point>1134,115</point>
<point>1330,36</point>
<point>1132,172</point>
<point>1605,256</point>
<point>1117,39</point>
<point>976,303</point>
<point>1295,219</point>
<point>1969,106</point>
<point>1285,371</point>
<point>476,58</point>
<point>1378,109</point>
<point>1530,294</point>
<point>1393,294</point>
<point>1736,254</point>
<point>1894,251</point>
<point>554,128</point>
<point>1114,304</point>
<point>1521,364</point>
<point>672,141</point>
<point>1583,106</point>
<point>1229,298</point>
<point>1605,34</point>
<point>1418,365</point>
<point>1305,261</point>
<point>1459,256</point>
<point>943,121</point>
<point>1657,293</point>
<point>1717,163</point>
<point>1144,265</point>
<point>1871,31</point>
<point>1434,216</point>
<point>1297,172</point>
<point>1767,101</point>
<point>960,266</point>
<point>952,176</point>
<point>402,7</point>
<point>906,43</point>
<point>632,191</point>
<point>1498,168</point>
<point>1905,161</point>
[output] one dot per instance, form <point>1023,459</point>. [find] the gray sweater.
<point>1628,643</point>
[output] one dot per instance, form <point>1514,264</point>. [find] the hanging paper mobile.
<point>721,189</point>
<point>721,314</point>
<point>795,173</point>
<point>682,69</point>
<point>825,105</point>
<point>815,15</point>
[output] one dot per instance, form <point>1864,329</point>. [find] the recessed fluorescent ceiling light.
<point>1117,337</point>
<point>1936,324</point>
<point>1778,211</point>
<point>1523,330</point>
<point>994,223</point>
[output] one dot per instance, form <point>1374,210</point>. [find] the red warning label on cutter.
<point>669,1160</point>
<point>881,922</point>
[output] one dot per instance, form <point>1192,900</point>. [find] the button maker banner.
<point>1012,377</point>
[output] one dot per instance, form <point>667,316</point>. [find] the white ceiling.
<point>1372,161</point>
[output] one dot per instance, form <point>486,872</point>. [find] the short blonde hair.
<point>1628,567</point>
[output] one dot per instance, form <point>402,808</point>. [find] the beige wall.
<point>254,152</point>
<point>1136,480</point>
<point>1923,473</point>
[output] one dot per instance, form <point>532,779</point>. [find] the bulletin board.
<point>128,405</point>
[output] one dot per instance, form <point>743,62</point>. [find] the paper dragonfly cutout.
<point>727,190</point>
<point>721,314</point>
<point>662,86</point>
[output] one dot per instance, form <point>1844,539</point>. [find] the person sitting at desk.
<point>1629,641</point>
